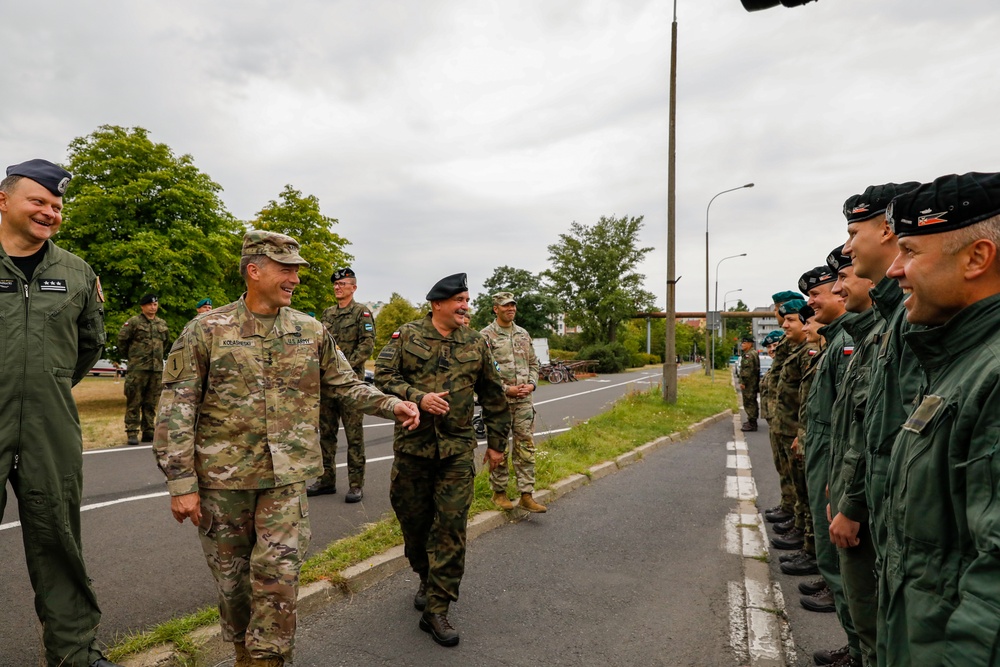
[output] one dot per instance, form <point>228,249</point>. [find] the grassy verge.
<point>101,404</point>
<point>636,419</point>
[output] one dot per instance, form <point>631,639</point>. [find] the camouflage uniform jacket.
<point>785,416</point>
<point>418,360</point>
<point>143,342</point>
<point>514,354</point>
<point>240,405</point>
<point>353,327</point>
<point>750,372</point>
<point>772,376</point>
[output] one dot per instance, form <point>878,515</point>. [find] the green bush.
<point>637,359</point>
<point>573,342</point>
<point>611,358</point>
<point>562,355</point>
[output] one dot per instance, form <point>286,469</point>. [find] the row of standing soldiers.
<point>883,406</point>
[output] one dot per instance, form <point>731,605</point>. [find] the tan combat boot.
<point>528,503</point>
<point>271,661</point>
<point>501,500</point>
<point>243,658</point>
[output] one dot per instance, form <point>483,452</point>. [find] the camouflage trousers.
<point>521,454</point>
<point>255,542</point>
<point>803,515</point>
<point>431,498</point>
<point>783,465</point>
<point>330,415</point>
<point>750,403</point>
<point>142,393</point>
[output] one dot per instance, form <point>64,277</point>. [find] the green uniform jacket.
<point>750,372</point>
<point>805,386</point>
<point>240,405</point>
<point>847,439</point>
<point>419,360</point>
<point>144,342</point>
<point>353,327</point>
<point>514,354</point>
<point>785,416</point>
<point>942,562</point>
<point>51,335</point>
<point>831,367</point>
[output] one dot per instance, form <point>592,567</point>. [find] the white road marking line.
<point>738,462</point>
<point>591,391</point>
<point>738,621</point>
<point>741,488</point>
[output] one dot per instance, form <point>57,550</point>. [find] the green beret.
<point>448,287</point>
<point>50,176</point>
<point>204,302</point>
<point>791,307</point>
<point>837,260</point>
<point>279,247</point>
<point>773,337</point>
<point>782,297</point>
<point>814,277</point>
<point>949,203</point>
<point>874,200</point>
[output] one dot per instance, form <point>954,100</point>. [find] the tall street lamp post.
<point>725,307</point>
<point>710,367</point>
<point>743,254</point>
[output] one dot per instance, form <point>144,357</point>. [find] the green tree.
<point>688,341</point>
<point>735,328</point>
<point>300,218</point>
<point>394,314</point>
<point>148,221</point>
<point>594,275</point>
<point>536,308</point>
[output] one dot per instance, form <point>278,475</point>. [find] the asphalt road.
<point>147,568</point>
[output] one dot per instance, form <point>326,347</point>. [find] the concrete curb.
<point>313,597</point>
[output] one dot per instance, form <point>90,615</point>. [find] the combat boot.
<point>821,602</point>
<point>133,439</point>
<point>321,487</point>
<point>810,587</point>
<point>269,661</point>
<point>800,566</point>
<point>828,657</point>
<point>420,598</point>
<point>793,539</point>
<point>243,658</point>
<point>439,628</point>
<point>528,503</point>
<point>501,500</point>
<point>777,515</point>
<point>784,526</point>
<point>749,426</point>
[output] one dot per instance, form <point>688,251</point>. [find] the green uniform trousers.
<point>330,415</point>
<point>857,567</point>
<point>827,558</point>
<point>784,467</point>
<point>521,454</point>
<point>255,541</point>
<point>750,403</point>
<point>142,393</point>
<point>48,486</point>
<point>431,498</point>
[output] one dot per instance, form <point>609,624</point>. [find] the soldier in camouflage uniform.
<point>770,342</point>
<point>749,382</point>
<point>143,342</point>
<point>515,356</point>
<point>351,324</point>
<point>238,436</point>
<point>439,363</point>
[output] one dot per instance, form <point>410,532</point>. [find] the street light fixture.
<point>757,5</point>
<point>743,254</point>
<point>710,371</point>
<point>725,298</point>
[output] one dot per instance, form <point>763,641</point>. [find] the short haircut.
<point>988,229</point>
<point>246,260</point>
<point>7,184</point>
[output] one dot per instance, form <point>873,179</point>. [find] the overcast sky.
<point>461,135</point>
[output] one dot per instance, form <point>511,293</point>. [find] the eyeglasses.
<point>342,283</point>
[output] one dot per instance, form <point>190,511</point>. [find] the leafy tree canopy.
<point>394,314</point>
<point>148,220</point>
<point>299,216</point>
<point>594,275</point>
<point>536,308</point>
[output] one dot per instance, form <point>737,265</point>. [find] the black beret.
<point>747,338</point>
<point>874,200</point>
<point>782,297</point>
<point>950,202</point>
<point>805,313</point>
<point>340,274</point>
<point>148,298</point>
<point>448,287</point>
<point>53,177</point>
<point>837,260</point>
<point>815,277</point>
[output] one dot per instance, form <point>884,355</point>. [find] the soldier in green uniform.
<point>749,382</point>
<point>849,530</point>
<point>353,327</point>
<point>518,366</point>
<point>440,364</point>
<point>238,436</point>
<point>52,330</point>
<point>786,509</point>
<point>940,569</point>
<point>143,342</point>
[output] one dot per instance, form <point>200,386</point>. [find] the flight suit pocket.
<point>974,631</point>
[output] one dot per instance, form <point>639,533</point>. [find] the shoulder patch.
<point>177,366</point>
<point>848,350</point>
<point>100,290</point>
<point>395,334</point>
<point>366,314</point>
<point>813,353</point>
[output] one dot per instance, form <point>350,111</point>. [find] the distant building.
<point>763,326</point>
<point>562,328</point>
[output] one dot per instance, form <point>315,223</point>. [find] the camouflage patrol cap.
<point>448,287</point>
<point>503,298</point>
<point>837,260</point>
<point>874,200</point>
<point>50,176</point>
<point>950,202</point>
<point>782,297</point>
<point>340,274</point>
<point>279,247</point>
<point>814,277</point>
<point>791,307</point>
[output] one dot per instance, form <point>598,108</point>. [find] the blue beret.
<point>874,200</point>
<point>815,277</point>
<point>340,274</point>
<point>791,307</point>
<point>53,177</point>
<point>837,260</point>
<point>448,287</point>
<point>949,203</point>
<point>782,297</point>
